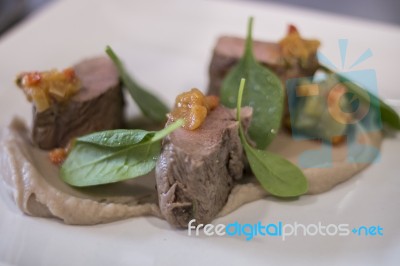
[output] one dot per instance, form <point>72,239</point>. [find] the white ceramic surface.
<point>167,45</point>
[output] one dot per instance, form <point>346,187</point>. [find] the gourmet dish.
<point>213,152</point>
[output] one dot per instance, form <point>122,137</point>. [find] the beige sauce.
<point>32,182</point>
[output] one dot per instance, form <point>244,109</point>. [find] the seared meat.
<point>229,50</point>
<point>97,106</point>
<point>196,169</point>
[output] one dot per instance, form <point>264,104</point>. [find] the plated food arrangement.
<point>211,153</point>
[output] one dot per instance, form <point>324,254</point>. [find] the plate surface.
<point>167,46</point>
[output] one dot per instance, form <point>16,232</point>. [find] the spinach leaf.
<point>149,104</point>
<point>112,156</point>
<point>116,138</point>
<point>265,94</point>
<point>388,115</point>
<point>276,175</point>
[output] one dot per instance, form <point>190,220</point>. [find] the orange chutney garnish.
<point>59,155</point>
<point>193,107</point>
<point>294,47</point>
<point>45,88</point>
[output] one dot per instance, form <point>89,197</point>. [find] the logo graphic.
<point>333,109</point>
<point>282,230</point>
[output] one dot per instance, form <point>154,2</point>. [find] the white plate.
<point>167,45</point>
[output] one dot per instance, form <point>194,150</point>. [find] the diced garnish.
<point>321,114</point>
<point>212,102</point>
<point>336,140</point>
<point>58,156</point>
<point>45,88</point>
<point>31,79</point>
<point>69,73</point>
<point>296,49</point>
<point>193,107</point>
<point>40,98</point>
<point>334,104</point>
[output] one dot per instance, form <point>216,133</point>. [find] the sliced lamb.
<point>196,169</point>
<point>229,50</point>
<point>98,105</point>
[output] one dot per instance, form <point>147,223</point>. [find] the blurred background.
<point>387,11</point>
<point>13,11</point>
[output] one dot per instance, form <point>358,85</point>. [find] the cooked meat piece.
<point>196,169</point>
<point>97,106</point>
<point>229,50</point>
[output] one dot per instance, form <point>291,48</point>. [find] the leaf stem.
<point>272,177</point>
<point>239,100</point>
<point>249,39</point>
<point>167,130</point>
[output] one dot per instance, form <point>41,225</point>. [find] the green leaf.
<point>149,104</point>
<point>89,165</point>
<point>265,94</point>
<point>116,138</point>
<point>112,156</point>
<point>276,175</point>
<point>388,114</point>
